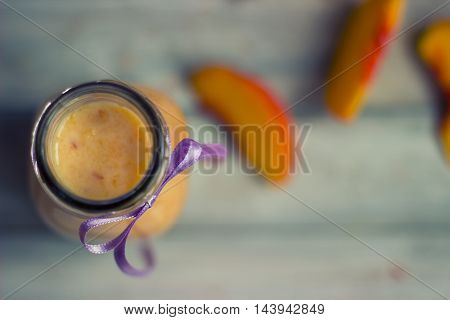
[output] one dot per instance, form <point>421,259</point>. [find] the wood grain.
<point>382,178</point>
<point>287,42</point>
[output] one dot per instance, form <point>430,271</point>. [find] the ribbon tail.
<point>213,151</point>
<point>126,267</point>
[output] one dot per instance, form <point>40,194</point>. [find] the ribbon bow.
<point>185,154</point>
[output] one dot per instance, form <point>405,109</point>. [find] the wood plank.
<point>288,43</point>
<point>250,264</point>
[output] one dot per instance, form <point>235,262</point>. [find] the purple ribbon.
<point>185,154</point>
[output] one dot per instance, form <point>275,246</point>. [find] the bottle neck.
<point>69,100</point>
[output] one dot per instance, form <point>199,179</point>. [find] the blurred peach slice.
<point>358,53</point>
<point>256,118</point>
<point>434,49</point>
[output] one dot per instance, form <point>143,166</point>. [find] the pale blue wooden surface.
<point>382,178</point>
<point>239,238</point>
<point>287,42</point>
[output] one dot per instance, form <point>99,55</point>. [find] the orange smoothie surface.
<point>100,150</point>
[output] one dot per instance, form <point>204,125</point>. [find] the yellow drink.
<point>100,151</point>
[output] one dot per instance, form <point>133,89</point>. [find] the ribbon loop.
<point>93,223</point>
<point>185,154</point>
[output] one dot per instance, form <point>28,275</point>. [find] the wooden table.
<point>382,179</point>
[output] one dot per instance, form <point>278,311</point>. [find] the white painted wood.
<point>382,179</point>
<point>288,43</point>
<point>253,263</point>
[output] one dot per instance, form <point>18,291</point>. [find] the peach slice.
<point>359,50</point>
<point>434,49</point>
<point>257,122</point>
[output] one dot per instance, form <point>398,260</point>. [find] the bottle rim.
<point>154,172</point>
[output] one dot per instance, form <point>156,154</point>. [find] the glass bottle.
<point>103,147</point>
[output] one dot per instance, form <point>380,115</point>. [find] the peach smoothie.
<point>100,151</point>
<point>103,147</point>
